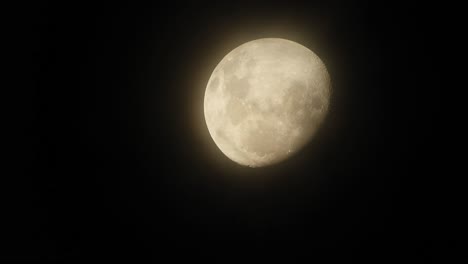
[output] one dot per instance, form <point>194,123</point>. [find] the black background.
<point>117,163</point>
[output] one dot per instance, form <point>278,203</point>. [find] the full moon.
<point>265,100</point>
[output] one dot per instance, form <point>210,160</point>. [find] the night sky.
<point>117,162</point>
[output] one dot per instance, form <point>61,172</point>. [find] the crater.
<point>220,134</point>
<point>230,66</point>
<point>214,84</point>
<point>299,117</point>
<point>294,99</point>
<point>236,111</point>
<point>251,63</point>
<point>316,102</point>
<point>238,88</point>
<point>262,140</point>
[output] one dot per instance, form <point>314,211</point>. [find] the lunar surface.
<point>265,101</point>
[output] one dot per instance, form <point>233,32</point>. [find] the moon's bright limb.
<point>265,100</point>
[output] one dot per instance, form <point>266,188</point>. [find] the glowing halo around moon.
<point>265,100</point>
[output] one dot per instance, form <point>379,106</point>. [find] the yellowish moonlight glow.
<point>265,100</point>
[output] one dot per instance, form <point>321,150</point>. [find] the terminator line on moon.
<point>265,100</point>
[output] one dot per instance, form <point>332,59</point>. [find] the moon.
<point>265,101</point>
